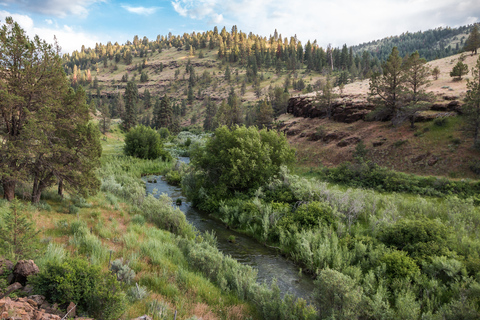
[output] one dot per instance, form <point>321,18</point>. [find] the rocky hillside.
<point>434,147</point>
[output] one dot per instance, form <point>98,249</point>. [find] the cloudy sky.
<point>77,22</point>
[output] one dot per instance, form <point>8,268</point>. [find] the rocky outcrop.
<point>25,309</point>
<point>23,269</point>
<point>349,109</point>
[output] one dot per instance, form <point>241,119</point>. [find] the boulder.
<point>23,269</point>
<point>6,266</point>
<point>348,141</point>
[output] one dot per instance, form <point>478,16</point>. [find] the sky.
<point>336,22</point>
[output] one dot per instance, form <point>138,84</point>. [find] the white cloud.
<point>336,22</point>
<point>68,38</point>
<point>49,21</point>
<point>58,8</point>
<point>140,10</point>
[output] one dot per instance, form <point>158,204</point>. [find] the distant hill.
<point>431,44</point>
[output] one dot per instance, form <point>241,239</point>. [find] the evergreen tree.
<point>459,70</point>
<point>69,148</point>
<point>416,79</point>
<point>129,118</point>
<point>210,113</point>
<point>227,74</point>
<point>473,40</point>
<point>147,99</point>
<point>436,72</point>
<point>325,100</point>
<point>387,90</point>
<point>234,115</point>
<point>104,117</point>
<point>264,115</point>
<point>471,108</point>
<point>17,234</point>
<point>31,81</point>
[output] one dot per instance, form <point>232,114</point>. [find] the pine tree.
<point>326,98</point>
<point>17,234</point>
<point>131,112</point>
<point>31,81</point>
<point>471,109</point>
<point>210,113</point>
<point>387,90</point>
<point>147,99</point>
<point>264,115</point>
<point>473,40</point>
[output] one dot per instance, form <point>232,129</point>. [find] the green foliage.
<point>96,293</point>
<point>308,216</point>
<point>18,237</point>
<point>165,216</point>
<point>370,175</point>
<point>123,271</point>
<point>338,295</point>
<point>399,265</point>
<point>420,238</point>
<point>144,143</point>
<point>241,158</point>
<point>459,70</point>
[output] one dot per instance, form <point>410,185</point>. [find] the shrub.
<point>123,271</point>
<point>399,265</point>
<point>242,158</point>
<point>96,293</point>
<point>308,215</point>
<point>420,238</point>
<point>165,216</point>
<point>338,295</point>
<point>145,143</point>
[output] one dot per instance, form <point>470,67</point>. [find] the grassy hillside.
<point>439,148</point>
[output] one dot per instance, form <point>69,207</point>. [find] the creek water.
<point>269,264</point>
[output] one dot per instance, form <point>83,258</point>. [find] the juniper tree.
<point>131,112</point>
<point>471,108</point>
<point>32,80</point>
<point>473,40</point>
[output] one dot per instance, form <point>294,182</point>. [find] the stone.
<point>13,287</point>
<point>377,143</point>
<point>432,161</point>
<point>28,289</point>
<point>348,141</point>
<point>144,317</point>
<point>38,299</point>
<point>71,310</point>
<point>419,158</point>
<point>24,269</point>
<point>6,266</point>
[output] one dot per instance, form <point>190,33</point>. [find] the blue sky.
<point>77,22</point>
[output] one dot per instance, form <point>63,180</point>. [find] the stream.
<point>246,250</point>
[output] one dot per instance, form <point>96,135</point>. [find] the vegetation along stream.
<point>245,250</point>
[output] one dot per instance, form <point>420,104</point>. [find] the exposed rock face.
<point>349,109</point>
<point>346,111</point>
<point>24,269</point>
<point>25,309</point>
<point>349,141</point>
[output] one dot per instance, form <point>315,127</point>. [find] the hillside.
<point>194,72</point>
<point>429,149</point>
<point>431,44</point>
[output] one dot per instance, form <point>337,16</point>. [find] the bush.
<point>420,238</point>
<point>242,158</point>
<point>338,295</point>
<point>308,216</point>
<point>145,143</point>
<point>96,293</point>
<point>399,265</point>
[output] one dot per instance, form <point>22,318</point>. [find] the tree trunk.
<point>60,188</point>
<point>9,189</point>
